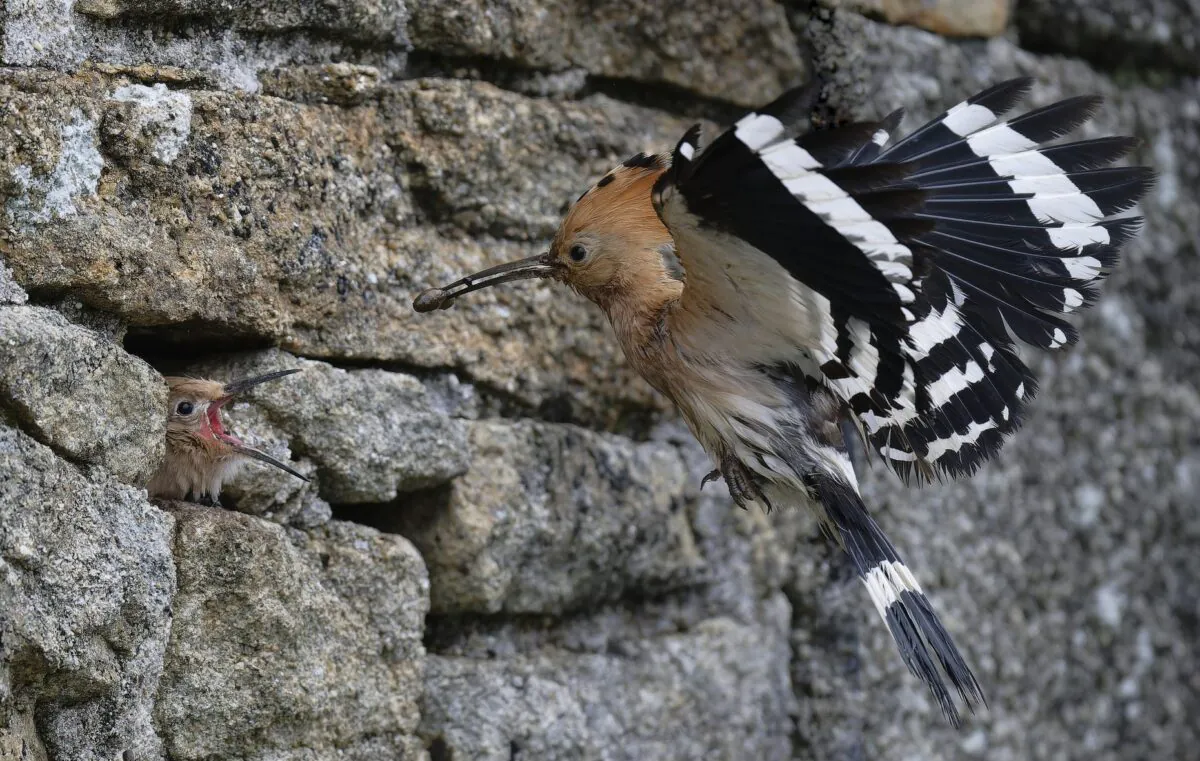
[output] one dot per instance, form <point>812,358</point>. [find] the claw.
<point>741,484</point>
<point>713,476</point>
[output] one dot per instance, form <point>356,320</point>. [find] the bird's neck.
<point>638,297</point>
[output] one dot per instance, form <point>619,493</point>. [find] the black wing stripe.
<point>972,114</point>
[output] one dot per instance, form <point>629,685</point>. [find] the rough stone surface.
<point>290,645</point>
<point>199,42</point>
<point>588,602</point>
<point>342,83</point>
<point>80,394</point>
<point>700,49</point>
<point>86,582</point>
<point>715,685</point>
<point>10,292</point>
<point>1162,35</point>
<point>550,518</point>
<point>142,121</point>
<point>374,20</point>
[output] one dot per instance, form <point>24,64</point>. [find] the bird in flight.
<point>798,293</point>
<point>201,453</point>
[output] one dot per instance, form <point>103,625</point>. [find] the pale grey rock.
<point>86,583</point>
<point>80,394</point>
<point>549,518</point>
<point>106,326</point>
<point>713,691</point>
<point>289,645</point>
<point>147,123</point>
<point>74,178</point>
<point>212,43</point>
<point>10,292</point>
<point>367,20</point>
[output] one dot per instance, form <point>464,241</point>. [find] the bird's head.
<point>194,424</point>
<point>611,246</point>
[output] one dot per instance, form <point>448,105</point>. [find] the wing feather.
<point>899,273</point>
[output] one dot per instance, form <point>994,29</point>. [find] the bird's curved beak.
<point>539,266</point>
<point>232,389</point>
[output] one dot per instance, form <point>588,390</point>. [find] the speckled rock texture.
<point>81,394</point>
<point>503,551</point>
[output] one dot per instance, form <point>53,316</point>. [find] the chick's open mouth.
<point>218,427</point>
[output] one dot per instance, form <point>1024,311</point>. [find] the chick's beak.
<point>241,386</point>
<point>232,389</point>
<point>539,266</point>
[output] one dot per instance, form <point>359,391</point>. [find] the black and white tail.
<point>923,642</point>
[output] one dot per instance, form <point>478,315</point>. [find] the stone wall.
<point>503,554</point>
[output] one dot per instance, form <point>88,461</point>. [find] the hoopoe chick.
<point>782,287</point>
<point>201,453</point>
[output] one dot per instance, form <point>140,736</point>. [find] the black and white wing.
<point>900,273</point>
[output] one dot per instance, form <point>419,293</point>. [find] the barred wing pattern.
<point>924,258</point>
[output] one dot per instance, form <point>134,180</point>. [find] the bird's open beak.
<point>232,389</point>
<point>542,265</point>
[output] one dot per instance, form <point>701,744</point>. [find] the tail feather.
<point>926,647</point>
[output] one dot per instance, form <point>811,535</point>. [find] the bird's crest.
<point>619,200</point>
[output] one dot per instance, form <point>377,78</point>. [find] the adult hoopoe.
<point>775,285</point>
<point>201,454</point>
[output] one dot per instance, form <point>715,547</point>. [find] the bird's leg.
<point>740,482</point>
<point>209,500</point>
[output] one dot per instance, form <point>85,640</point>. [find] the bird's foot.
<point>740,481</point>
<point>208,500</point>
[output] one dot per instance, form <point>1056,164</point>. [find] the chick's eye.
<point>184,408</point>
<point>577,253</point>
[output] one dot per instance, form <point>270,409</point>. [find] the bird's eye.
<point>577,253</point>
<point>184,408</point>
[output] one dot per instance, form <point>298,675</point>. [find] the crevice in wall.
<point>1125,61</point>
<point>607,627</point>
<point>575,84</point>
<point>179,344</point>
<point>664,97</point>
<point>391,517</point>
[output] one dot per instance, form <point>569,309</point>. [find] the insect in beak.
<point>539,266</point>
<point>233,389</point>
